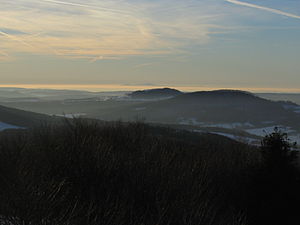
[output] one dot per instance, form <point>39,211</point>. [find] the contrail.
<point>86,6</point>
<point>276,11</point>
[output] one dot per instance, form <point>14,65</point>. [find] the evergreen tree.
<point>277,186</point>
<point>278,153</point>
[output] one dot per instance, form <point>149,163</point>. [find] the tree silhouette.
<point>278,153</point>
<point>277,186</point>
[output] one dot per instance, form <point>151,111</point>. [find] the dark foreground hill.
<point>87,173</point>
<point>22,118</point>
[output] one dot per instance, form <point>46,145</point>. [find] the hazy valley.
<point>238,115</point>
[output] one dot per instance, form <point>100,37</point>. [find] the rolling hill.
<point>211,107</point>
<point>227,112</point>
<point>233,110</point>
<point>13,118</point>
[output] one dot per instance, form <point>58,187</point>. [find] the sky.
<point>191,44</point>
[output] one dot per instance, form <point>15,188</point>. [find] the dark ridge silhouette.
<point>22,118</point>
<point>220,95</point>
<point>155,93</point>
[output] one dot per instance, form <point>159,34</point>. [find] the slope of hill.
<point>12,118</point>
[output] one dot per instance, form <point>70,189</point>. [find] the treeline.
<point>90,173</point>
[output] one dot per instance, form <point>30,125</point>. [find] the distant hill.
<point>217,97</point>
<point>38,95</point>
<point>155,93</point>
<point>232,110</point>
<point>205,107</point>
<point>20,118</point>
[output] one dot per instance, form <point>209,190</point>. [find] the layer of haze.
<point>251,45</point>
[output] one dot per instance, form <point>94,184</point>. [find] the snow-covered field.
<point>195,122</point>
<point>293,135</point>
<point>268,130</point>
<point>294,108</point>
<point>189,121</point>
<point>4,126</point>
<point>239,138</point>
<point>71,115</point>
<point>230,125</point>
<point>242,139</point>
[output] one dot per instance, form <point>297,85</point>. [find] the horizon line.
<point>134,87</point>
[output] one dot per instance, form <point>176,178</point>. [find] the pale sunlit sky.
<point>247,44</point>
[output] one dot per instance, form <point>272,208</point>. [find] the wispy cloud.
<point>15,38</point>
<point>105,29</point>
<point>276,11</point>
<point>86,6</point>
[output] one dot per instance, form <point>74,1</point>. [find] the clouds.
<point>91,7</point>
<point>112,29</point>
<point>101,29</point>
<point>276,11</point>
